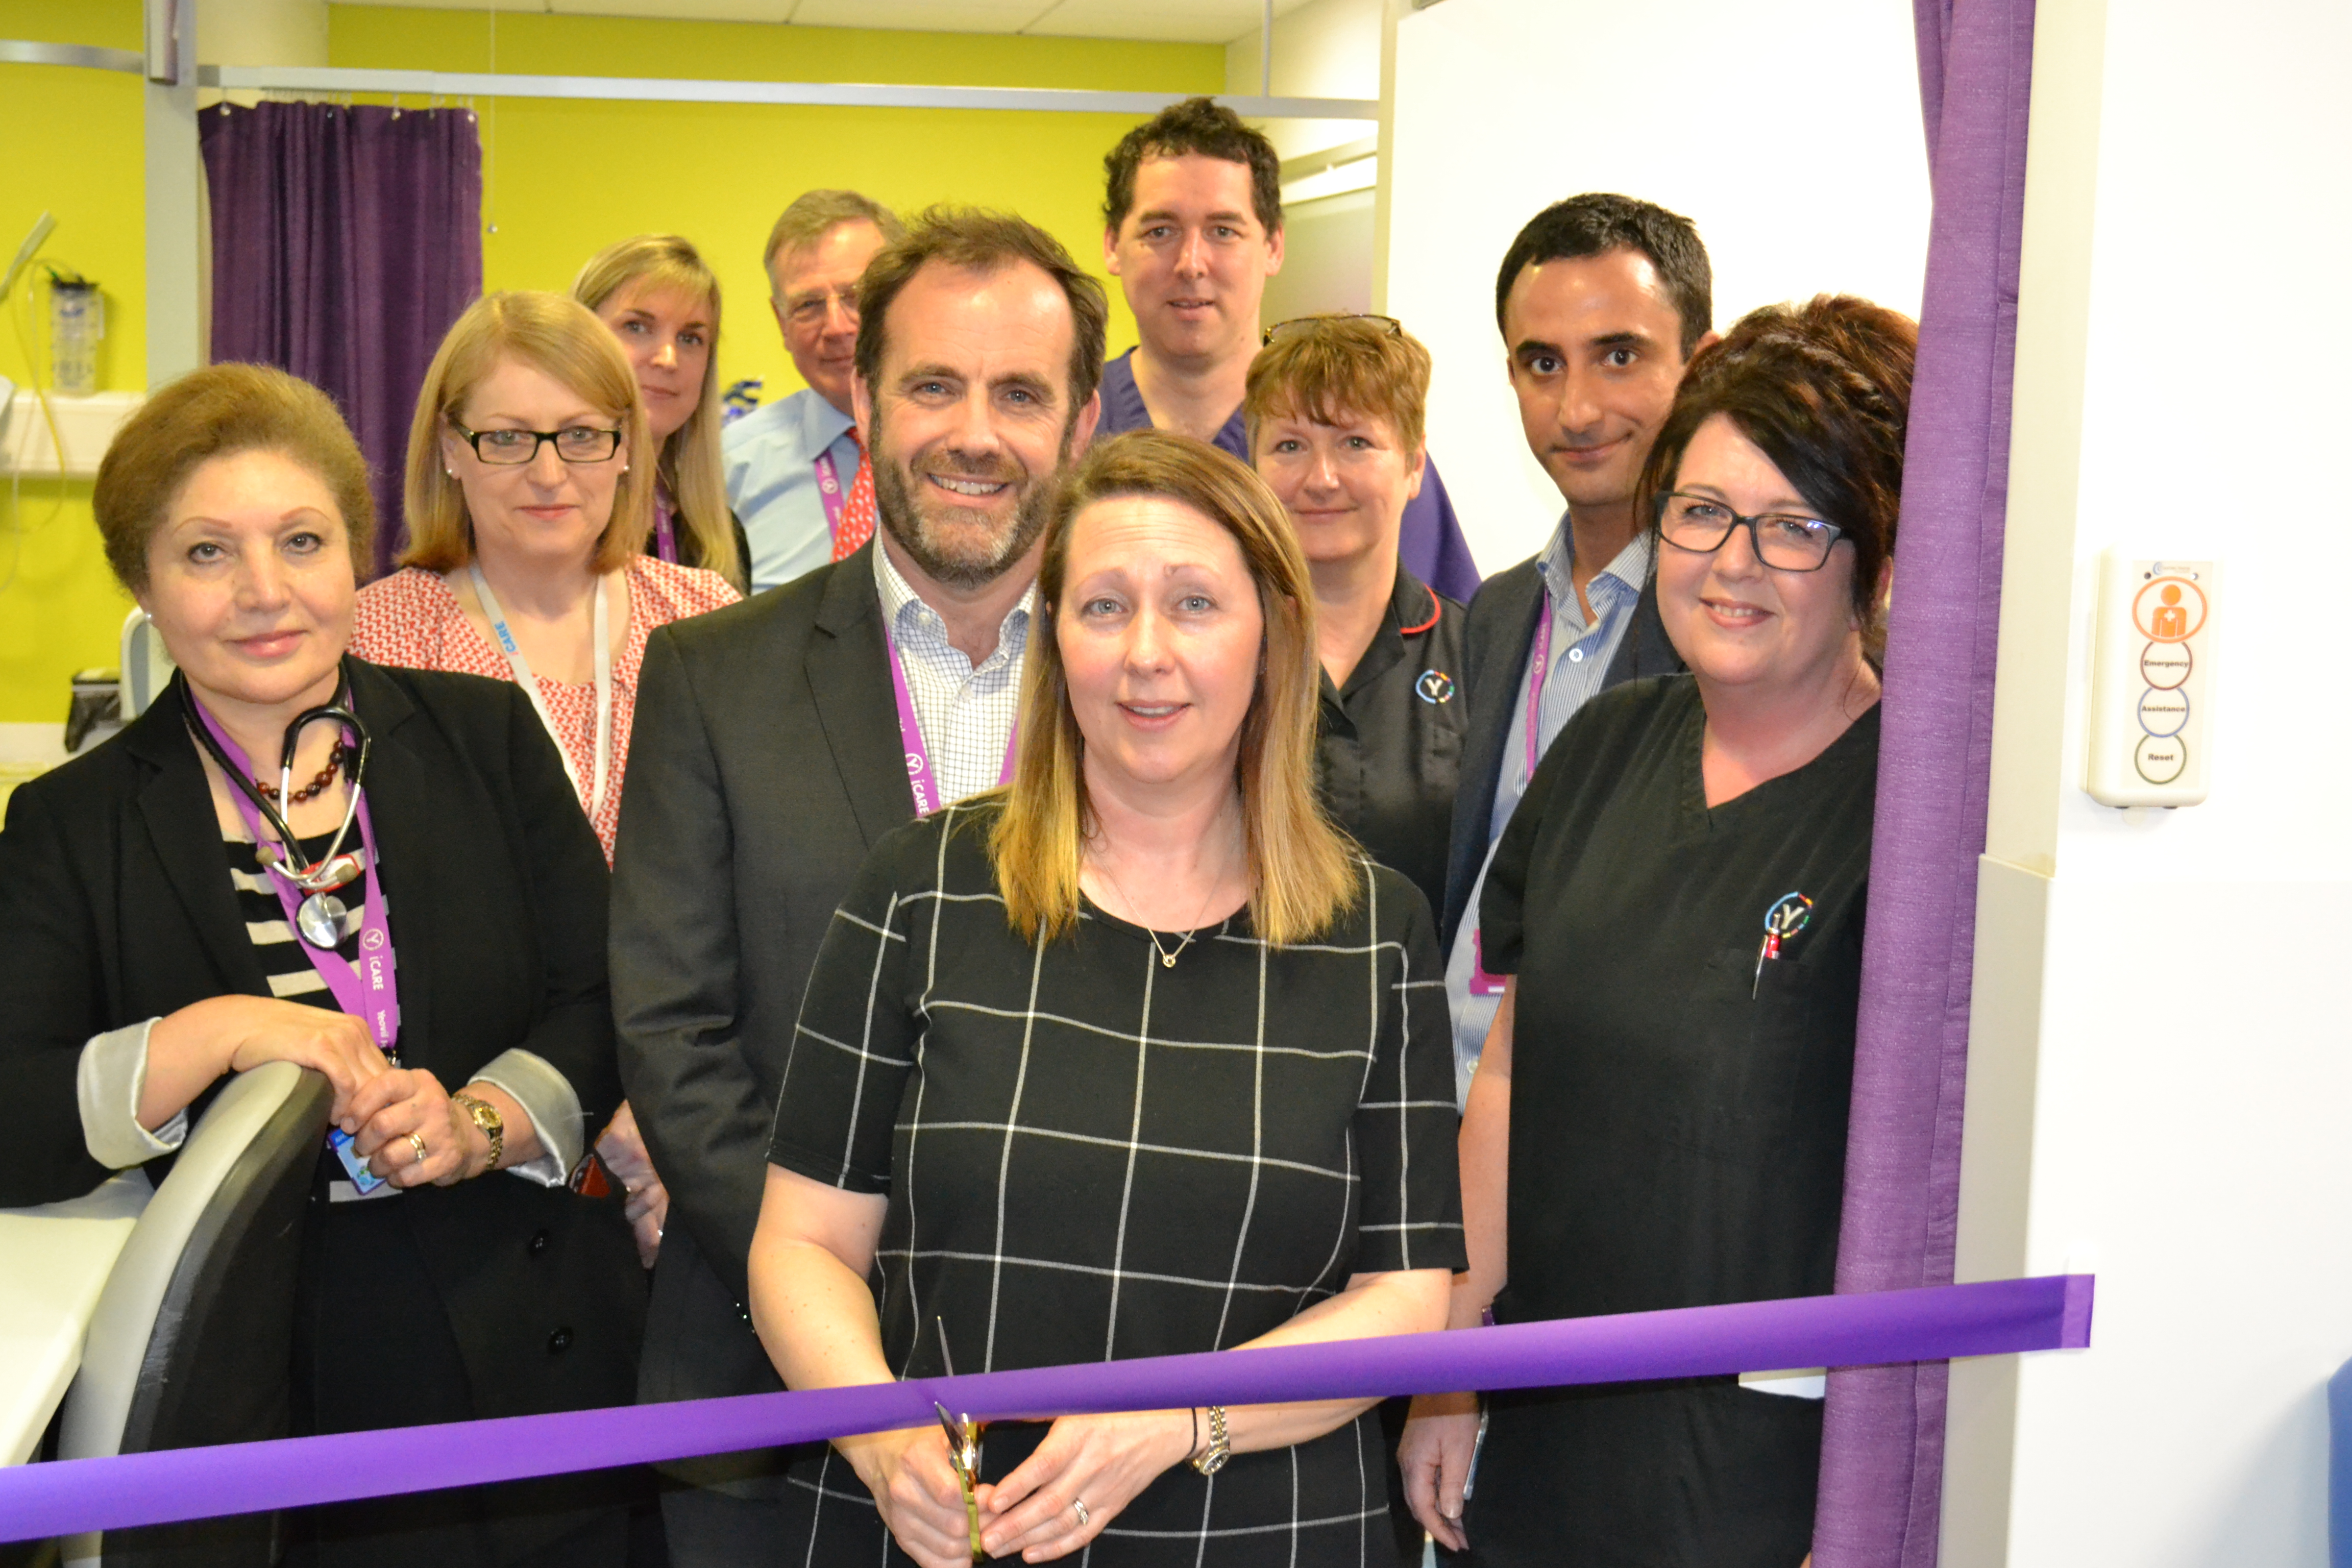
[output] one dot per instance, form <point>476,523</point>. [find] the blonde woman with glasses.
<point>661,300</point>
<point>1136,1057</point>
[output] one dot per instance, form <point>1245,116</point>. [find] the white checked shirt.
<point>966,714</point>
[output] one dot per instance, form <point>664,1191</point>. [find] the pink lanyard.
<point>367,989</point>
<point>828,490</point>
<point>920,781</point>
<point>1538,671</point>
<point>665,533</point>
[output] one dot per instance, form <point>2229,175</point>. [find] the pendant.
<point>320,919</point>
<point>1167,960</point>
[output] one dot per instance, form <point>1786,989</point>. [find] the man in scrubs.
<point>1192,229</point>
<point>1602,300</point>
<point>793,466</point>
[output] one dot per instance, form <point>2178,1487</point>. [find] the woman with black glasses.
<point>530,494</point>
<point>1659,1117</point>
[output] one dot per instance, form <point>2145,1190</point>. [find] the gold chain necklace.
<point>1167,959</point>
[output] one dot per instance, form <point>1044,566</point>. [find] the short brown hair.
<point>1823,389</point>
<point>1324,367</point>
<point>551,332</point>
<point>218,412</point>
<point>1304,874</point>
<point>983,241</point>
<point>815,213</point>
<point>1199,126</point>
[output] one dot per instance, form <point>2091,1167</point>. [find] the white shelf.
<point>86,425</point>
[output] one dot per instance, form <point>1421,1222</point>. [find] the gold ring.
<point>416,1142</point>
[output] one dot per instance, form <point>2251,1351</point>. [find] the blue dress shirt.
<point>770,456</point>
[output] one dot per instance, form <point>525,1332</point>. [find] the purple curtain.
<point>1882,1446</point>
<point>345,241</point>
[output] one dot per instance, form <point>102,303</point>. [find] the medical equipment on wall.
<point>2151,729</point>
<point>77,322</point>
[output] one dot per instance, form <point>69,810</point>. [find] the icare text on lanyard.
<point>601,620</point>
<point>368,988</point>
<point>831,490</point>
<point>921,780</point>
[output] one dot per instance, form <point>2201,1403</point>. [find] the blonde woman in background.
<point>661,300</point>
<point>525,510</point>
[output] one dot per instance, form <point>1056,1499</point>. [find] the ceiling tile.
<point>925,15</point>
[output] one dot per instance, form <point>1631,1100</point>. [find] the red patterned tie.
<point>857,512</point>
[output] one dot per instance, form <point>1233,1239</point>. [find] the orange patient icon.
<point>2169,622</point>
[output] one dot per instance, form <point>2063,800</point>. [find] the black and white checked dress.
<point>1091,1157</point>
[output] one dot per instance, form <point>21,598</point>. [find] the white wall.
<point>2160,1062</point>
<point>1324,49</point>
<point>1791,136</point>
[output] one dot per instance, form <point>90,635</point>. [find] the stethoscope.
<point>319,919</point>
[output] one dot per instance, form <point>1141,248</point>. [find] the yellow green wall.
<point>73,146</point>
<point>562,179</point>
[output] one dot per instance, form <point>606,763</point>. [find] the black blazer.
<point>1501,634</point>
<point>764,762</point>
<point>116,906</point>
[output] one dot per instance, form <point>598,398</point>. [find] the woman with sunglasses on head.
<point>1334,406</point>
<point>1659,1117</point>
<point>661,300</point>
<point>295,856</point>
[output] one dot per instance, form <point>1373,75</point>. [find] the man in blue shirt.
<point>1602,300</point>
<point>790,464</point>
<point>1192,229</point>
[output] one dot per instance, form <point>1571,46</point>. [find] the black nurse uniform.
<point>1678,1122</point>
<point>1388,746</point>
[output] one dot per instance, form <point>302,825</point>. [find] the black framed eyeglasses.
<point>1264,339</point>
<point>1786,542</point>
<point>513,448</point>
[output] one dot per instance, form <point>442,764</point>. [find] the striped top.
<point>285,958</point>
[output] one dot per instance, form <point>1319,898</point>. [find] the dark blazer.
<point>1501,634</point>
<point>116,906</point>
<point>764,762</point>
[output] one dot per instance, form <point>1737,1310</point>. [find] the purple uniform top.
<point>1429,544</point>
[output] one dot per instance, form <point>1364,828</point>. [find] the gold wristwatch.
<point>1213,1458</point>
<point>486,1117</point>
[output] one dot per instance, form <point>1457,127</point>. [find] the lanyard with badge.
<point>1538,673</point>
<point>601,619</point>
<point>367,988</point>
<point>919,778</point>
<point>830,491</point>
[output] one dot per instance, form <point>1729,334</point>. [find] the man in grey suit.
<point>778,739</point>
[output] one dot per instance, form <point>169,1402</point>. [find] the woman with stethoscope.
<point>296,856</point>
<point>525,512</point>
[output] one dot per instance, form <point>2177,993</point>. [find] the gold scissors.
<point>963,1449</point>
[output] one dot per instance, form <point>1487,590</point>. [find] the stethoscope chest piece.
<point>320,919</point>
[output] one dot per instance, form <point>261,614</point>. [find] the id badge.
<point>1481,982</point>
<point>365,1180</point>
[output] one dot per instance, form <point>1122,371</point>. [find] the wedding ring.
<point>1078,1507</point>
<point>417,1143</point>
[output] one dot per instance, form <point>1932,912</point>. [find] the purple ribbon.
<point>1997,1318</point>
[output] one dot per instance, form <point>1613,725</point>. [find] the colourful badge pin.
<point>1790,914</point>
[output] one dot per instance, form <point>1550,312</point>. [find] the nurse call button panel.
<point>2152,681</point>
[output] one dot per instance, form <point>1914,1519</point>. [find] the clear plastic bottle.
<point>76,321</point>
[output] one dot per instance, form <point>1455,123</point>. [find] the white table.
<point>54,1260</point>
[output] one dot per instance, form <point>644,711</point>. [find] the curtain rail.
<point>90,56</point>
<point>665,89</point>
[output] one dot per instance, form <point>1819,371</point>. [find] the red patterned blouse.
<point>412,619</point>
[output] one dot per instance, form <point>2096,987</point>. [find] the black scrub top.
<point>1678,1120</point>
<point>1389,747</point>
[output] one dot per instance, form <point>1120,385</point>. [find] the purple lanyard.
<point>367,989</point>
<point>920,781</point>
<point>1538,671</point>
<point>665,532</point>
<point>829,489</point>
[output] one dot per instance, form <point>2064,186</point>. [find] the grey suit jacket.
<point>764,761</point>
<point>1500,632</point>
